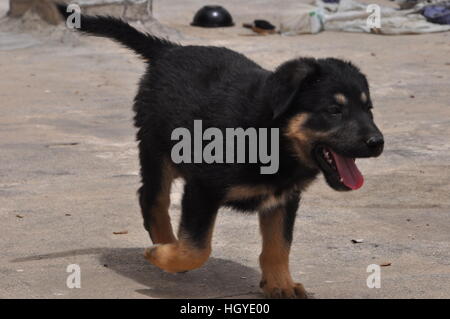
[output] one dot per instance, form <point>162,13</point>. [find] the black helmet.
<point>212,17</point>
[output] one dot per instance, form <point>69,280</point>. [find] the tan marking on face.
<point>302,138</point>
<point>341,98</point>
<point>363,97</point>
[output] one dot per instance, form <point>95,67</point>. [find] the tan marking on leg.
<point>341,99</point>
<point>276,279</point>
<point>161,231</point>
<point>177,257</point>
<point>182,255</point>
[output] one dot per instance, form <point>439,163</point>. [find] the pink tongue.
<point>350,174</point>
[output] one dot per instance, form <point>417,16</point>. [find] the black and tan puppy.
<point>321,107</point>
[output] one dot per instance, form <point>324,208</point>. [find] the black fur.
<point>227,90</point>
<point>147,46</point>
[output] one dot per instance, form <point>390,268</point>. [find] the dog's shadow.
<point>218,278</point>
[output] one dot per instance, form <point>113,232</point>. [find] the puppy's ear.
<point>287,80</point>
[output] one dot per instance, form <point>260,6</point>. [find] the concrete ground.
<point>69,172</point>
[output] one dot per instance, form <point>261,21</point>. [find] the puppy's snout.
<point>376,144</point>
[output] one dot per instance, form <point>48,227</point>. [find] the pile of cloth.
<point>413,17</point>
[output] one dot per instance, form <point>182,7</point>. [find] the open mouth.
<point>340,172</point>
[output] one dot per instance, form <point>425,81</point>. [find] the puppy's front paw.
<point>289,290</point>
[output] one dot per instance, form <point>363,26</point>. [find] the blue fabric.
<point>439,13</point>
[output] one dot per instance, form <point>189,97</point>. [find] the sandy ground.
<point>69,172</point>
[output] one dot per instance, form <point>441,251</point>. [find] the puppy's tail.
<point>144,44</point>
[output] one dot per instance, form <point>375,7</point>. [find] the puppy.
<point>320,107</point>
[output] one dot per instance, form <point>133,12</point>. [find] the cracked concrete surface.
<point>69,172</point>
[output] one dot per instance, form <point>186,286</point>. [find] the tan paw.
<point>175,258</point>
<point>285,291</point>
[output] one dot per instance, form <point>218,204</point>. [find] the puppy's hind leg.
<point>154,195</point>
<point>193,247</point>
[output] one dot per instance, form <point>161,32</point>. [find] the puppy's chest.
<point>256,198</point>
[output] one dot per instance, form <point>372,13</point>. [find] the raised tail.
<point>146,45</point>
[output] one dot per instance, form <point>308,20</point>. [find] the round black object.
<point>212,17</point>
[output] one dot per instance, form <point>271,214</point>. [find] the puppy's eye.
<point>334,110</point>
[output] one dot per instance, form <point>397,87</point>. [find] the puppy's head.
<point>324,106</point>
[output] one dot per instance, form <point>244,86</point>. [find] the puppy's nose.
<point>375,141</point>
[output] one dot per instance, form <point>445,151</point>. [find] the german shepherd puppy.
<point>322,108</point>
